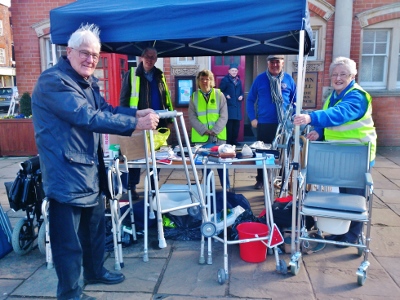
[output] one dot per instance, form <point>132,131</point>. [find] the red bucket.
<point>252,251</point>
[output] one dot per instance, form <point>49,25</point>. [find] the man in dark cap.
<point>271,93</point>
<point>231,86</point>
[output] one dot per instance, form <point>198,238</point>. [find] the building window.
<point>380,56</point>
<point>1,28</point>
<point>50,53</point>
<point>2,56</point>
<point>226,60</point>
<point>187,60</point>
<point>313,54</point>
<point>375,54</point>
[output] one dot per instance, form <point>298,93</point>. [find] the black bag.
<point>27,186</point>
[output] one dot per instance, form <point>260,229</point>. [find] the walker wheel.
<point>362,278</point>
<point>42,238</point>
<point>294,269</point>
<point>282,267</point>
<point>208,229</point>
<point>23,237</point>
<point>222,276</point>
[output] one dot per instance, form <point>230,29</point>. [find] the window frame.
<point>392,81</point>
<point>2,56</point>
<point>186,61</point>
<point>315,43</point>
<point>50,52</point>
<point>383,83</point>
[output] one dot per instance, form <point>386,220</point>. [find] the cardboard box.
<point>131,146</point>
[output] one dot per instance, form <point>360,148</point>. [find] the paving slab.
<point>385,241</point>
<point>174,273</point>
<point>380,181</point>
<point>388,195</point>
<point>385,217</point>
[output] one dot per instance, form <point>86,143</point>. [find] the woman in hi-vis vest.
<point>345,117</point>
<point>208,114</point>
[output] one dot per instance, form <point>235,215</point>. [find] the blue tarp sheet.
<point>189,27</point>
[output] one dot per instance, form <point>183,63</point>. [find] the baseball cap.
<point>275,57</point>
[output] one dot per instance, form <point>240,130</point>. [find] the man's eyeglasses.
<point>341,75</point>
<point>85,55</point>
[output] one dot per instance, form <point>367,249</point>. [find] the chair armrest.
<point>368,179</point>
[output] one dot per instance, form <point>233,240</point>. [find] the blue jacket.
<point>69,116</point>
<point>265,112</point>
<point>352,107</point>
<point>234,91</point>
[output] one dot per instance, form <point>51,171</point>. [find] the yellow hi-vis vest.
<point>208,114</point>
<point>360,131</point>
<point>135,89</point>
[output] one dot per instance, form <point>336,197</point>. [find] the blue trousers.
<point>77,236</point>
<point>355,227</point>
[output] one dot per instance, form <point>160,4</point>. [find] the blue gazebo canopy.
<point>189,27</point>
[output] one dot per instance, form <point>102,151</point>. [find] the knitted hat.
<point>233,66</point>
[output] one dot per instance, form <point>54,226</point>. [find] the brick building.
<point>368,31</point>
<point>7,63</point>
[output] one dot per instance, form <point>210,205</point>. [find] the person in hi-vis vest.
<point>346,117</point>
<point>146,89</point>
<point>208,114</point>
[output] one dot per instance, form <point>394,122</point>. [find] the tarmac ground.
<point>174,272</point>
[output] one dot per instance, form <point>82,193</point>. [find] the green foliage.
<point>25,107</point>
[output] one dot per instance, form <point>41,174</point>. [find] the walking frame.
<point>194,204</point>
<point>115,186</point>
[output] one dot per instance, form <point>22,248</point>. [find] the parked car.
<point>6,94</point>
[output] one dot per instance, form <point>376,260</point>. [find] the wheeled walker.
<point>26,193</point>
<point>209,228</point>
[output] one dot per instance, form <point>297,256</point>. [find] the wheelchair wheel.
<point>23,237</point>
<point>42,239</point>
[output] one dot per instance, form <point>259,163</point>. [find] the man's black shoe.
<point>107,278</point>
<point>259,185</point>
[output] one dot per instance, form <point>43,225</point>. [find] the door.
<point>110,71</point>
<point>220,67</point>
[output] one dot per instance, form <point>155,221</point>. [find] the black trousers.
<point>265,133</point>
<point>77,236</point>
<point>134,177</point>
<point>232,131</point>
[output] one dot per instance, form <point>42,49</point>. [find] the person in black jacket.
<point>147,89</point>
<point>70,116</point>
<point>231,86</point>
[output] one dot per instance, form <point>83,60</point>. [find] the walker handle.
<point>165,114</point>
